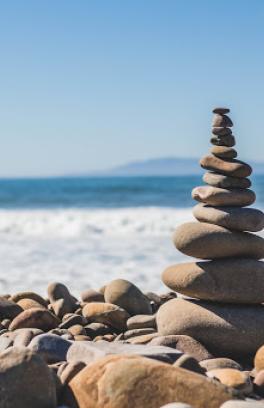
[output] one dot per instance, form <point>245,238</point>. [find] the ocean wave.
<point>155,221</point>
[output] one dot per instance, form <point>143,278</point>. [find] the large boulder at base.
<point>125,294</point>
<point>238,197</point>
<point>35,318</point>
<point>234,280</point>
<point>208,241</point>
<point>225,330</point>
<point>129,382</point>
<point>239,219</point>
<point>25,380</point>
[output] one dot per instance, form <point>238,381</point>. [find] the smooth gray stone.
<point>51,347</point>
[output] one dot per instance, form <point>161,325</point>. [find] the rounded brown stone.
<point>259,359</point>
<point>221,120</point>
<point>234,218</point>
<point>141,322</point>
<point>208,241</point>
<point>8,308</point>
<point>234,168</point>
<point>35,318</point>
<point>227,141</point>
<point>224,280</point>
<point>128,382</point>
<point>223,197</point>
<point>91,295</point>
<point>221,181</point>
<point>106,313</point>
<point>215,363</point>
<point>233,378</point>
<point>29,295</point>
<point>221,131</point>
<point>224,152</point>
<point>221,110</point>
<point>226,330</point>
<point>29,304</point>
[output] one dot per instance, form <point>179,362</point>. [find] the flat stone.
<point>221,110</point>
<point>223,197</point>
<point>239,219</point>
<point>184,343</point>
<point>26,380</point>
<point>227,140</point>
<point>9,309</point>
<point>141,383</point>
<point>224,152</point>
<point>35,318</point>
<point>219,180</point>
<point>29,295</point>
<point>125,294</point>
<point>215,325</point>
<point>234,167</point>
<point>221,131</point>
<point>50,347</point>
<point>215,363</point>
<point>72,320</point>
<point>106,313</point>
<point>208,241</point>
<point>138,332</point>
<point>143,338</point>
<point>236,379</point>
<point>223,280</point>
<point>221,120</point>
<point>141,322</point>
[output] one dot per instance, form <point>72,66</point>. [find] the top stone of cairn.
<point>221,111</point>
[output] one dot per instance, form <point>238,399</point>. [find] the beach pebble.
<point>259,358</point>
<point>221,120</point>
<point>223,197</point>
<point>221,110</point>
<point>35,318</point>
<point>27,303</point>
<point>142,339</point>
<point>50,347</point>
<point>224,152</point>
<point>233,378</point>
<point>184,343</point>
<point>26,380</point>
<point>189,363</point>
<point>72,320</point>
<point>91,295</point>
<point>77,329</point>
<point>29,295</point>
<point>141,322</point>
<point>208,241</point>
<point>8,308</point>
<point>97,329</point>
<point>234,167</point>
<point>161,385</point>
<point>215,325</point>
<point>138,332</point>
<point>227,140</point>
<point>234,218</point>
<point>221,362</point>
<point>24,336</point>
<point>217,280</point>
<point>67,371</point>
<point>219,180</point>
<point>106,313</point>
<point>125,294</point>
<point>221,131</point>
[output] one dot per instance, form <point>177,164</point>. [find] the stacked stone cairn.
<point>228,317</point>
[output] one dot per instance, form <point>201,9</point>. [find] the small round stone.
<point>224,152</point>
<point>221,110</point>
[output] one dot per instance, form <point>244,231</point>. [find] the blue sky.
<point>92,84</point>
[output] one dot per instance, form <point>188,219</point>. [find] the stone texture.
<point>239,219</point>
<point>106,313</point>
<point>208,241</point>
<point>125,294</point>
<point>224,152</point>
<point>26,381</point>
<point>35,318</point>
<point>234,167</point>
<point>141,322</point>
<point>215,325</point>
<point>128,382</point>
<point>216,363</point>
<point>219,180</point>
<point>233,378</point>
<point>224,280</point>
<point>227,140</point>
<point>223,197</point>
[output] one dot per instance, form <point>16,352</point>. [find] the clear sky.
<point>88,85</point>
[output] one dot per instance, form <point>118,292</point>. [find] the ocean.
<point>86,231</point>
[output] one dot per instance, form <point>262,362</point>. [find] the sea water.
<point>86,231</point>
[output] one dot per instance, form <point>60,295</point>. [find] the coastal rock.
<point>141,322</point>
<point>233,378</point>
<point>184,343</point>
<point>9,309</point>
<point>220,120</point>
<point>215,325</point>
<point>50,347</point>
<point>221,131</point>
<point>141,383</point>
<point>223,280</point>
<point>227,140</point>
<point>216,363</point>
<point>222,197</point>
<point>224,152</point>
<point>219,180</point>
<point>125,294</point>
<point>239,219</point>
<point>29,295</point>
<point>234,167</point>
<point>35,318</point>
<point>91,295</point>
<point>26,380</point>
<point>208,241</point>
<point>106,313</point>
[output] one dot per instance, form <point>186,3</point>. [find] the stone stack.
<point>228,317</point>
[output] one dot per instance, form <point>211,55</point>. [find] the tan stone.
<point>259,359</point>
<point>208,241</point>
<point>219,180</point>
<point>106,313</point>
<point>29,304</point>
<point>233,378</point>
<point>35,318</point>
<point>224,152</point>
<point>29,295</point>
<point>223,197</point>
<point>215,363</point>
<point>128,382</point>
<point>234,168</point>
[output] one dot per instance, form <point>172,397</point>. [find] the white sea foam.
<point>86,247</point>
